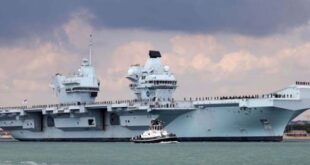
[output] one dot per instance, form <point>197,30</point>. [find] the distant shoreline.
<point>296,138</point>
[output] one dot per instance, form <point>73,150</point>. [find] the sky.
<point>214,47</point>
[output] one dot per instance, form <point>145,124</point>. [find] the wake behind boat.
<point>156,134</point>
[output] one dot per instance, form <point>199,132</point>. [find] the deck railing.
<point>159,103</point>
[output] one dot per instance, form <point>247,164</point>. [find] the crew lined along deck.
<point>274,95</point>
<point>172,100</point>
<point>159,103</point>
<point>153,104</point>
<point>302,83</point>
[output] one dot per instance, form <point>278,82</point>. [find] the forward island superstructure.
<point>78,117</point>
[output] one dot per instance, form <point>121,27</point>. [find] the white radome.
<point>167,68</point>
<point>130,72</point>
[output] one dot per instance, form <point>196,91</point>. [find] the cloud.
<point>21,20</point>
<point>200,62</point>
<point>25,72</point>
<point>205,63</point>
<point>24,20</point>
<point>115,71</point>
<point>245,17</point>
<point>77,29</point>
<point>212,61</point>
<point>192,52</point>
<point>237,62</point>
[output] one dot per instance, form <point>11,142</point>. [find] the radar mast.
<point>90,48</point>
<point>81,87</point>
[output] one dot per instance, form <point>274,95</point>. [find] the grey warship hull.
<point>204,121</point>
<point>79,118</point>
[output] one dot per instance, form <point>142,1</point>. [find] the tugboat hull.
<point>155,140</point>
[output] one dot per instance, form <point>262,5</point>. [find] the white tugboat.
<point>155,134</point>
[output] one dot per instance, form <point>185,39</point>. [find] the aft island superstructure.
<point>78,117</point>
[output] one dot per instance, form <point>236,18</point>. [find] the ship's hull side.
<point>213,123</point>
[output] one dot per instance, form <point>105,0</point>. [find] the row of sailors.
<point>40,106</point>
<point>168,103</point>
<point>136,101</point>
<point>17,107</point>
<point>221,98</point>
<point>172,100</point>
<point>273,95</point>
<point>302,83</point>
<point>84,103</point>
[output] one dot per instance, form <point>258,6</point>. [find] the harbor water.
<point>213,153</point>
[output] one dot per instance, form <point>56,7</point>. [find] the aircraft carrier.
<point>78,117</point>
